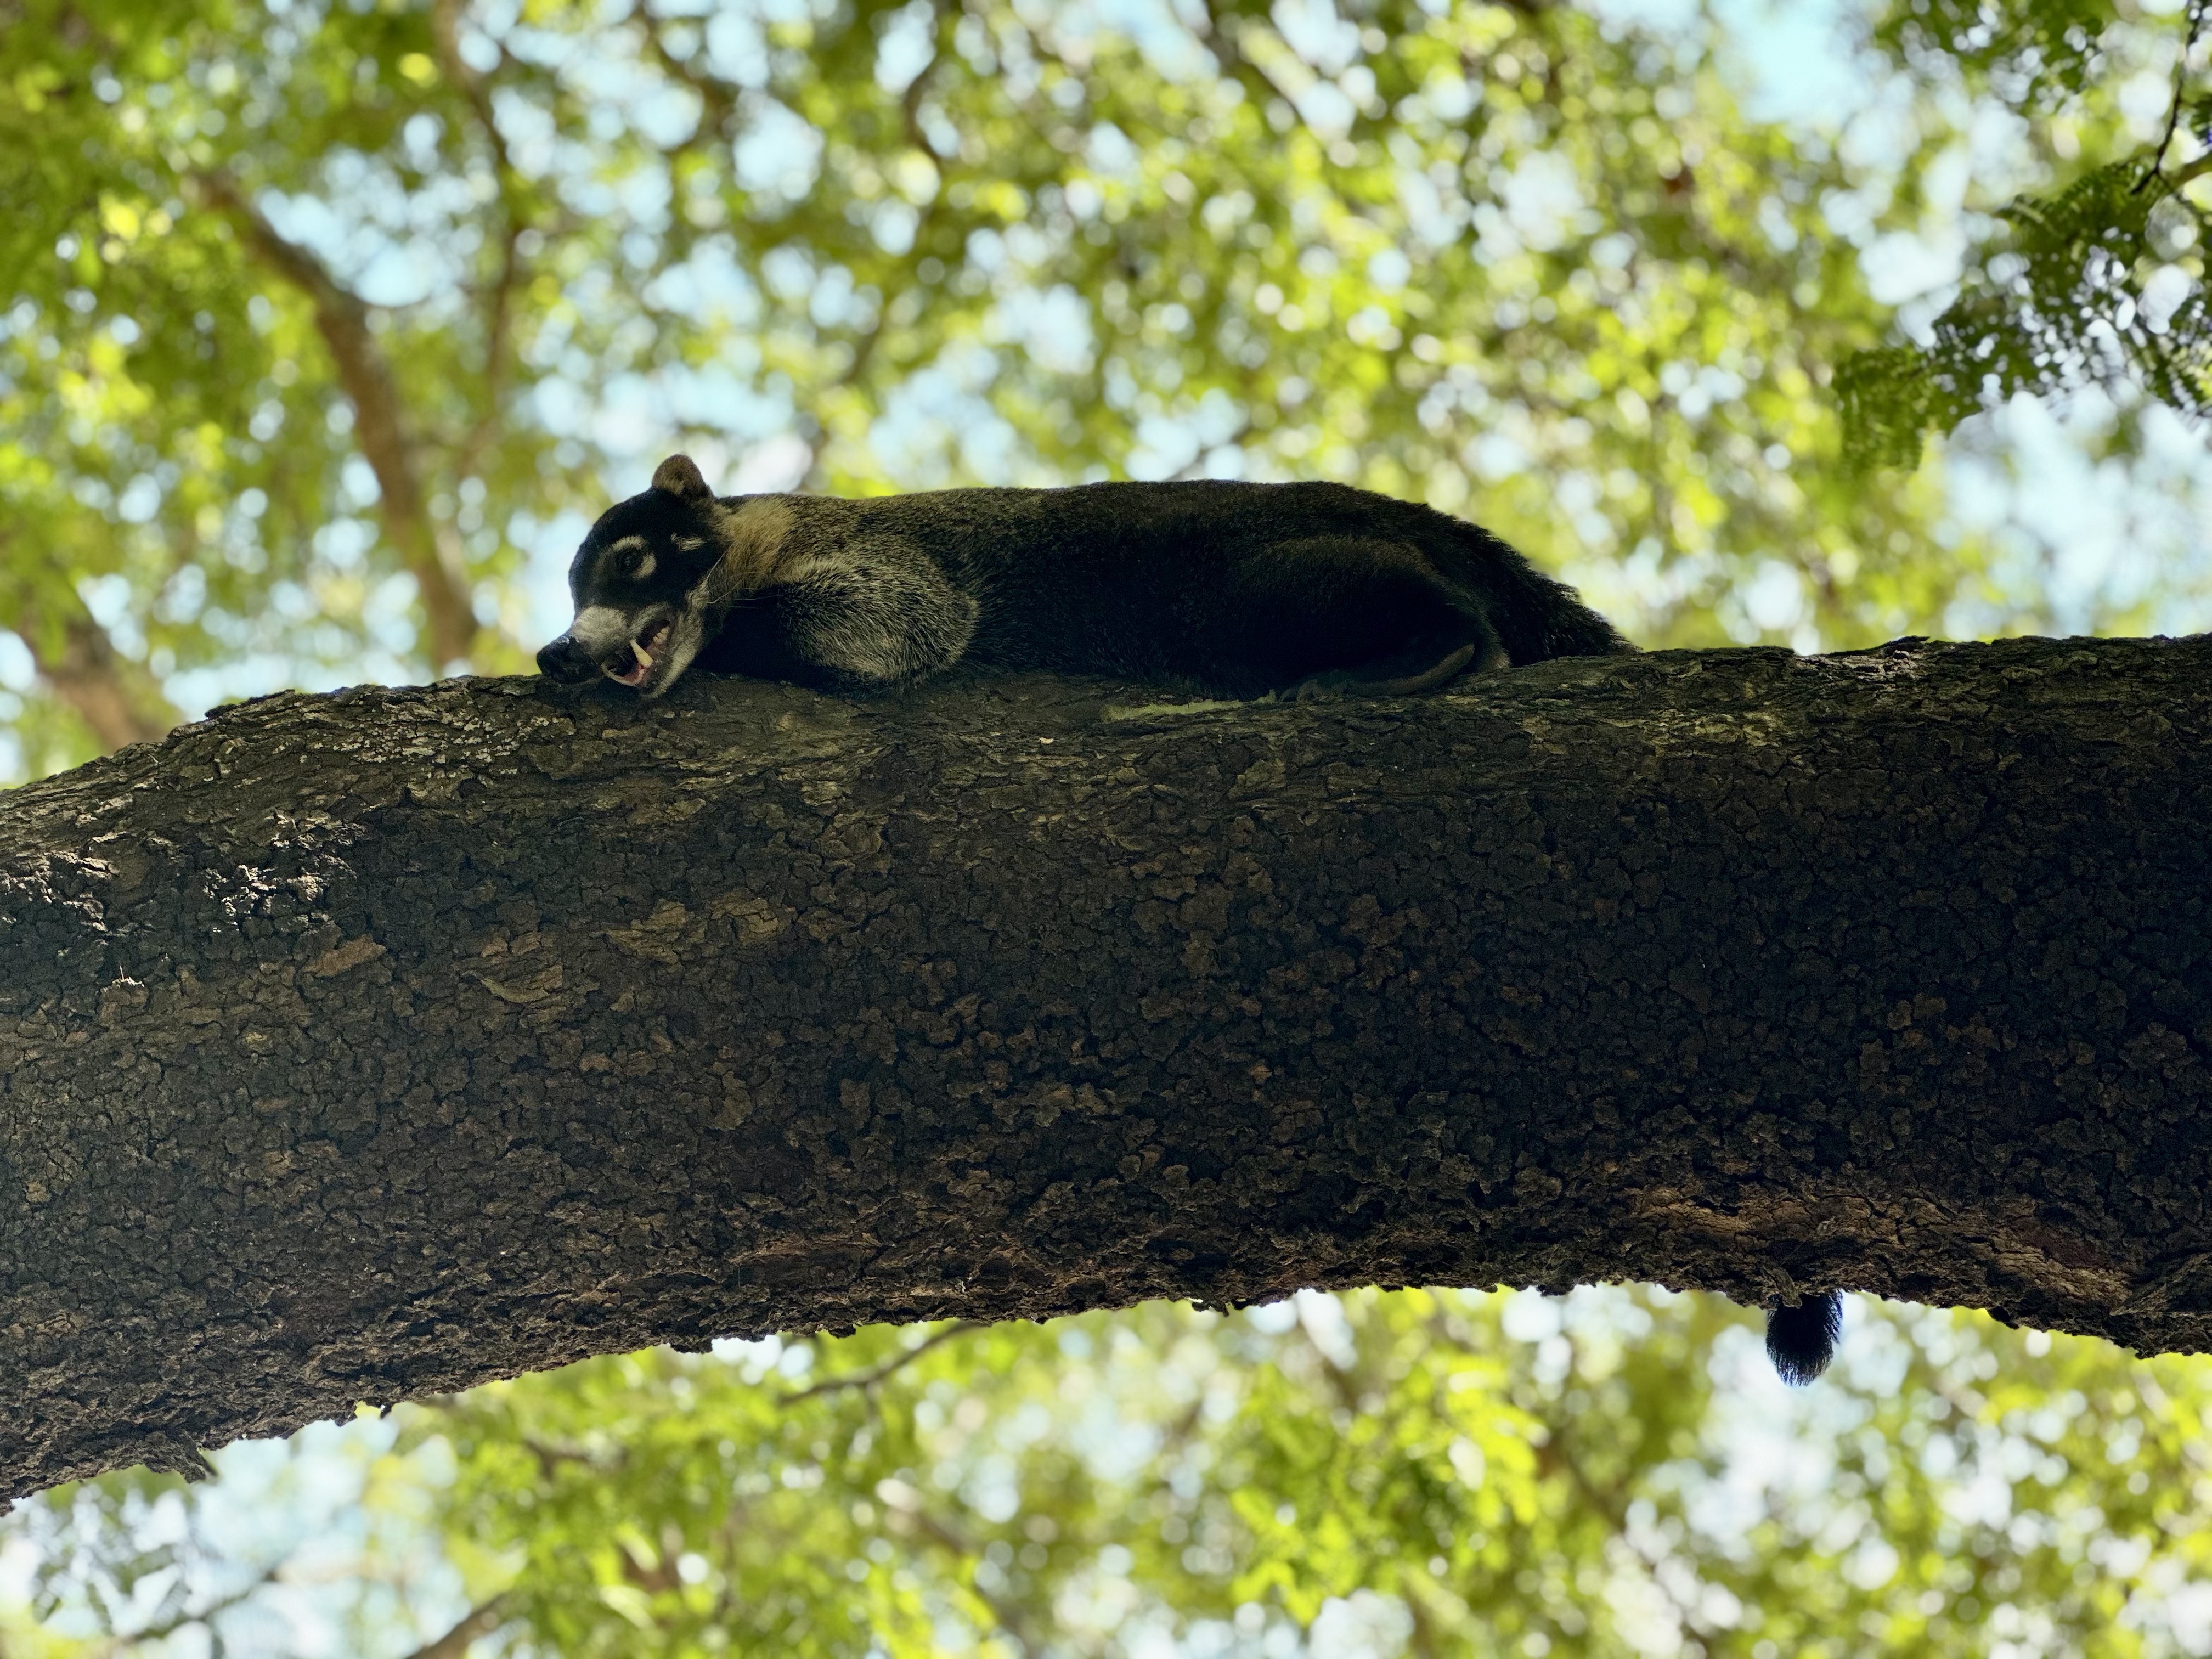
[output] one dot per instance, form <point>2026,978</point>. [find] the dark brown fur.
<point>1227,589</point>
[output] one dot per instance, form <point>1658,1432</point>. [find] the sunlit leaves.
<point>2044,48</point>
<point>1613,1473</point>
<point>2099,284</point>
<point>1520,262</point>
<point>1608,1474</point>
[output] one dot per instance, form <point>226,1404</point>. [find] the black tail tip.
<point>1801,1339</point>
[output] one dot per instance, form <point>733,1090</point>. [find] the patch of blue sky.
<point>1315,30</point>
<point>539,606</point>
<point>736,46</point>
<point>1051,328</point>
<point>710,291</point>
<point>1541,203</point>
<point>1436,217</point>
<point>938,428</point>
<point>777,462</point>
<point>1161,35</point>
<point>627,96</point>
<point>628,415</point>
<point>1171,444</point>
<point>258,673</point>
<point>838,302</point>
<point>2091,509</point>
<point>906,45</point>
<point>18,672</point>
<point>528,129</point>
<point>1111,154</point>
<point>1797,61</point>
<point>893,223</point>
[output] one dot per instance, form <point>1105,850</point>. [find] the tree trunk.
<point>357,1046</point>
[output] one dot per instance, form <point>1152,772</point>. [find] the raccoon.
<point>1223,589</point>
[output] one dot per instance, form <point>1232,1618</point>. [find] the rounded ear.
<point>679,477</point>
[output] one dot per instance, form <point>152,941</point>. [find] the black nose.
<point>567,661</point>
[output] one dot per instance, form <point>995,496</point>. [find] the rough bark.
<point>362,1045</point>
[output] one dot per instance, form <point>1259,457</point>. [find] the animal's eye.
<point>627,561</point>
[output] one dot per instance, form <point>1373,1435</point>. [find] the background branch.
<point>480,1620</point>
<point>429,549</point>
<point>117,699</point>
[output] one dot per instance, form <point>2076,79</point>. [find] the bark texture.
<point>362,1045</point>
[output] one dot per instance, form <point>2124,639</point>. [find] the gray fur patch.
<point>884,620</point>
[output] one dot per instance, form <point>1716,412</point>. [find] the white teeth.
<point>644,656</point>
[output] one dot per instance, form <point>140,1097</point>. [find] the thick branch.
<point>376,1044</point>
<point>427,549</point>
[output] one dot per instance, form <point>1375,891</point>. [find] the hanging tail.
<point>1801,1339</point>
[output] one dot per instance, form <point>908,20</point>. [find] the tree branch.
<point>116,698</point>
<point>163,1628</point>
<point>2190,172</point>
<point>366,1046</point>
<point>917,90</point>
<point>480,1620</point>
<point>718,99</point>
<point>2197,11</point>
<point>499,302</point>
<point>875,1374</point>
<point>427,549</point>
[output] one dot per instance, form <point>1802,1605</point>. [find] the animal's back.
<point>1172,579</point>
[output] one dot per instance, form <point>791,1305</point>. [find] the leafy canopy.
<point>318,320</point>
<point>318,317</point>
<point>1610,1473</point>
<point>2101,283</point>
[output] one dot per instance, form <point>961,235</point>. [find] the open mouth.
<point>644,656</point>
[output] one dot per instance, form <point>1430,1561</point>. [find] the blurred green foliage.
<point>1424,1472</point>
<point>318,319</point>
<point>2099,284</point>
<point>314,315</point>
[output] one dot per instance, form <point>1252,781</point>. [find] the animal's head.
<point>647,580</point>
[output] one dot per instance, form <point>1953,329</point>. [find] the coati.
<point>1230,590</point>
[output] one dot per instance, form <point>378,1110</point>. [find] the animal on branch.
<point>1227,589</point>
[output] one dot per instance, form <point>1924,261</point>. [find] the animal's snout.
<point>566,660</point>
